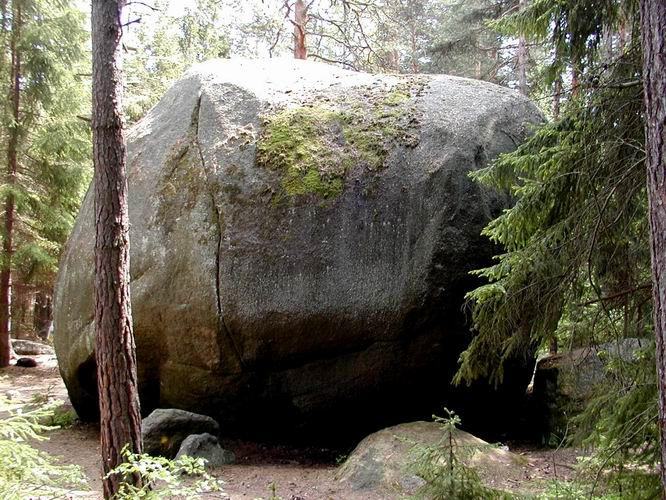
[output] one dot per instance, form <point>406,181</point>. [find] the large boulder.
<point>301,238</point>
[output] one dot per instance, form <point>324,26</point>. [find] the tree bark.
<point>522,58</point>
<point>653,23</point>
<point>300,20</point>
<point>120,419</point>
<point>12,162</point>
<point>575,79</point>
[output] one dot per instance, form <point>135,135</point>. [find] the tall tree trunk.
<point>12,162</point>
<point>120,419</point>
<point>522,58</point>
<point>300,20</point>
<point>653,23</point>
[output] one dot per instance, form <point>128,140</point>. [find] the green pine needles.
<point>575,267</point>
<point>26,472</point>
<point>443,469</point>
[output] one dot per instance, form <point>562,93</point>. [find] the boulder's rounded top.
<point>265,77</point>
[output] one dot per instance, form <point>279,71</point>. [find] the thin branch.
<point>612,296</point>
<point>143,4</point>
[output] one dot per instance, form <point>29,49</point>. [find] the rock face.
<point>384,461</point>
<point>206,446</point>
<point>165,429</point>
<point>301,238</point>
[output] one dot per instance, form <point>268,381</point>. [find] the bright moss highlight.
<point>302,143</point>
<point>315,145</point>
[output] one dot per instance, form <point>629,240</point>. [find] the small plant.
<point>442,467</point>
<point>24,471</point>
<point>63,419</point>
<point>273,490</point>
<point>164,478</point>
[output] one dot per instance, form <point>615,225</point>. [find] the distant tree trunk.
<point>575,80</point>
<point>522,58</point>
<point>300,20</point>
<point>21,311</point>
<point>557,97</point>
<point>653,21</point>
<point>120,419</point>
<point>12,167</point>
<point>42,315</point>
<point>623,33</point>
<point>416,67</point>
<point>608,51</point>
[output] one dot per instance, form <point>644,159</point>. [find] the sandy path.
<point>295,474</point>
<point>249,479</point>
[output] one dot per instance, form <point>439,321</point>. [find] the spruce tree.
<point>44,143</point>
<point>575,270</point>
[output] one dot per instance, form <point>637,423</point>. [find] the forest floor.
<point>296,474</point>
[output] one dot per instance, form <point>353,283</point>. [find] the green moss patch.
<point>314,145</point>
<point>304,144</point>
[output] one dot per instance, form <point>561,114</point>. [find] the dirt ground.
<point>296,474</point>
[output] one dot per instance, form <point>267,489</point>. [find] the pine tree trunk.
<point>12,162</point>
<point>522,58</point>
<point>300,19</point>
<point>653,21</point>
<point>120,420</point>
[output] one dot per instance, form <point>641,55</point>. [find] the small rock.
<point>206,446</point>
<point>30,348</point>
<point>13,395</point>
<point>164,430</point>
<point>26,362</point>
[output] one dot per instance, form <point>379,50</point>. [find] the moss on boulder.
<point>314,144</point>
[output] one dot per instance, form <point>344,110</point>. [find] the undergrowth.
<point>185,477</point>
<point>442,467</point>
<point>26,472</point>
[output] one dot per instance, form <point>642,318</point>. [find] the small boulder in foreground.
<point>165,429</point>
<point>206,446</point>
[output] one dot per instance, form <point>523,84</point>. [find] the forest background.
<point>573,264</point>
